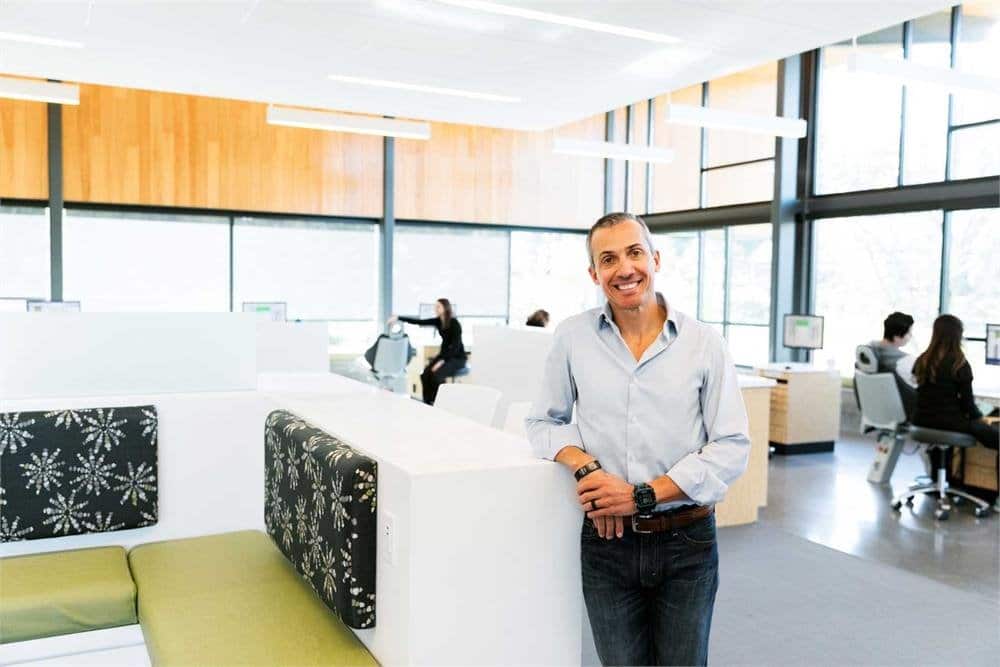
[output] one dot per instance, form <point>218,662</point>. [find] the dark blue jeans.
<point>650,596</point>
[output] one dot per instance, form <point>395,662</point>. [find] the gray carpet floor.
<point>786,601</point>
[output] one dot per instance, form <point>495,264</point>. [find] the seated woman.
<point>944,391</point>
<point>451,358</point>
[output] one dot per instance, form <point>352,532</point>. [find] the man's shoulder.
<point>695,329</point>
<point>574,325</point>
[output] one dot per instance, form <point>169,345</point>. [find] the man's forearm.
<point>667,490</point>
<point>573,457</point>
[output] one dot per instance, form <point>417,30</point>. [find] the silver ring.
<point>593,504</point>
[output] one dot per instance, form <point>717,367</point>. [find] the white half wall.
<point>95,354</point>
<point>293,347</point>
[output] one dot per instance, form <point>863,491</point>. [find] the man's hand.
<point>612,496</point>
<point>609,526</point>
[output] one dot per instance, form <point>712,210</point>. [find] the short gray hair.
<point>612,219</point>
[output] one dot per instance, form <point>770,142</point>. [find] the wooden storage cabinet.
<point>805,409</point>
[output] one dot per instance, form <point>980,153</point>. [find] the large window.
<point>468,266</point>
<point>549,271</point>
<point>926,117</point>
<point>321,270</point>
<point>147,263</point>
<point>974,269</point>
<point>732,289</point>
<point>868,267</point>
<point>858,119</point>
<point>24,253</point>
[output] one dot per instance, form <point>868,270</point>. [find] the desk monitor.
<point>803,331</point>
<point>271,310</point>
<point>993,344</point>
<point>40,306</point>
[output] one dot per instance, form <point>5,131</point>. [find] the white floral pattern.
<point>93,474</point>
<point>102,429</point>
<point>14,432</point>
<point>332,488</point>
<point>77,470</point>
<point>43,471</point>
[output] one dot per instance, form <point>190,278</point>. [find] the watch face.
<point>646,497</point>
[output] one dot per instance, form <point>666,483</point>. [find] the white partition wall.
<point>95,354</point>
<point>293,347</point>
<point>511,360</point>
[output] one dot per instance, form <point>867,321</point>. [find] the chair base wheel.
<point>941,515</point>
<point>957,500</point>
<point>982,512</point>
<point>909,501</point>
<point>897,505</point>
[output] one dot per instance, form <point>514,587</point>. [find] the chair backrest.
<point>391,355</point>
<point>865,359</point>
<point>516,412</point>
<point>879,399</point>
<point>472,401</point>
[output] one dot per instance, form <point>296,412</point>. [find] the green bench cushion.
<point>234,599</point>
<point>61,592</point>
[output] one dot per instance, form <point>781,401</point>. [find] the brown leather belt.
<point>657,523</point>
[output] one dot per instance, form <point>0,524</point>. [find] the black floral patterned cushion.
<point>320,511</point>
<point>67,472</point>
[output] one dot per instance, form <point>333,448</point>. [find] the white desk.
<point>986,394</point>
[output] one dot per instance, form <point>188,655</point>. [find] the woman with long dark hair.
<point>944,386</point>
<point>452,356</point>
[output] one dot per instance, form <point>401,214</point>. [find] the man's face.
<point>623,264</point>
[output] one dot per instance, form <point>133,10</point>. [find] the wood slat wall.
<point>23,150</point>
<point>476,174</point>
<point>125,146</point>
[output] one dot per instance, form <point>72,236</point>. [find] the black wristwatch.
<point>645,498</point>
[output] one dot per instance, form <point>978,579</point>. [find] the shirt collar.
<point>670,326</point>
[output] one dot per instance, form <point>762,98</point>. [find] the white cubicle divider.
<point>99,354</point>
<point>479,542</point>
<point>292,347</point>
<point>511,360</point>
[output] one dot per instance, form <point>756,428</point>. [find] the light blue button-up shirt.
<point>677,411</point>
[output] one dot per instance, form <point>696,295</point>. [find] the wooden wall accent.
<point>125,146</point>
<point>24,164</point>
<point>478,174</point>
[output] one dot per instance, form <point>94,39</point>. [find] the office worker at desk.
<point>451,358</point>
<point>944,393</point>
<point>896,333</point>
<point>661,432</point>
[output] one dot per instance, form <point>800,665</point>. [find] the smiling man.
<point>661,432</point>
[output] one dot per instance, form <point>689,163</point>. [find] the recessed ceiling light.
<point>559,19</point>
<point>342,122</point>
<point>37,39</point>
<point>684,114</point>
<point>39,91</point>
<point>437,90</point>
<point>608,150</point>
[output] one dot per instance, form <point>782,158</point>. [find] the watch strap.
<point>585,470</point>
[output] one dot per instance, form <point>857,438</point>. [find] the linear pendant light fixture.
<point>911,73</point>
<point>40,40</point>
<point>39,91</point>
<point>419,88</point>
<point>560,19</point>
<point>604,149</point>
<point>342,122</point>
<point>683,114</point>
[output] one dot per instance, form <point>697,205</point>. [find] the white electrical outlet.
<point>389,537</point>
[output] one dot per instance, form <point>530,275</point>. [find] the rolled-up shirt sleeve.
<point>705,475</point>
<point>548,423</point>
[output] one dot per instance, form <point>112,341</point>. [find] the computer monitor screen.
<point>993,344</point>
<point>53,306</point>
<point>270,310</point>
<point>803,331</point>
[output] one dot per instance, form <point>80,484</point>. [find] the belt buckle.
<point>635,525</point>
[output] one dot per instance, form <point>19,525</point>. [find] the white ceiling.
<point>283,52</point>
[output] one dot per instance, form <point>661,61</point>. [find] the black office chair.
<point>942,441</point>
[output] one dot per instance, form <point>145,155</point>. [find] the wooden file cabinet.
<point>805,409</point>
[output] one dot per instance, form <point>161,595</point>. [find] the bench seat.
<point>234,599</point>
<point>62,592</point>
